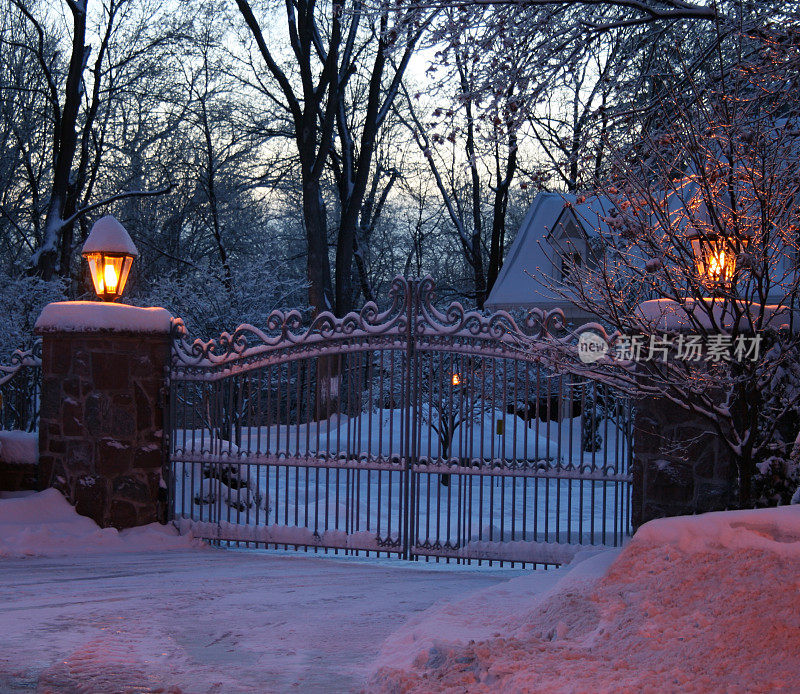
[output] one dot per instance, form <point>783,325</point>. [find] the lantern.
<point>109,251</point>
<point>715,256</point>
<point>456,380</point>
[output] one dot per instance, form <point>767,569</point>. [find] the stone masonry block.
<point>680,465</point>
<point>123,514</point>
<point>90,496</point>
<point>95,408</point>
<point>110,371</point>
<point>131,488</point>
<point>79,455</point>
<point>99,437</point>
<point>144,409</point>
<point>50,407</point>
<point>148,457</point>
<point>114,458</point>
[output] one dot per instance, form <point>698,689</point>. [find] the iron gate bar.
<point>253,412</point>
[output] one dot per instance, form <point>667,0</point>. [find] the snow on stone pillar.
<point>680,464</point>
<point>101,422</point>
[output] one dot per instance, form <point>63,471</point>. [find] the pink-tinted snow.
<point>44,524</point>
<point>706,603</point>
<point>697,604</point>
<point>87,316</point>
<point>92,617</point>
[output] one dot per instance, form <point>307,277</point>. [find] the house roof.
<point>521,282</point>
<point>523,278</point>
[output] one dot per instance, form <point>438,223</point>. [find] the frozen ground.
<point>107,618</point>
<point>696,604</point>
<point>206,621</point>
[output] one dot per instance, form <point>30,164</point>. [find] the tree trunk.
<point>476,249</point>
<point>746,412</point>
<point>346,242</point>
<point>318,265</point>
<point>500,209</point>
<point>328,387</point>
<point>746,470</point>
<point>65,140</point>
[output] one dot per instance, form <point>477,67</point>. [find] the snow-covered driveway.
<point>208,620</point>
<point>707,603</point>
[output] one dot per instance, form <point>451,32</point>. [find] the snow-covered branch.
<point>114,198</point>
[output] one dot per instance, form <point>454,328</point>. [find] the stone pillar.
<point>102,410</point>
<point>680,466</point>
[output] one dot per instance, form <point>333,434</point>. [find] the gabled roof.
<point>530,255</point>
<point>522,282</point>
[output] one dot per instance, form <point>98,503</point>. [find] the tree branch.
<point>113,198</point>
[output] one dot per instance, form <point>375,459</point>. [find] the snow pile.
<point>44,524</point>
<point>87,316</point>
<point>701,603</point>
<point>19,447</point>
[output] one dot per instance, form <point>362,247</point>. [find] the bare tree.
<point>723,170</point>
<point>329,44</point>
<point>76,120</point>
<point>477,204</point>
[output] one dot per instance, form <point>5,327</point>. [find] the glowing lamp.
<point>456,380</point>
<point>109,252</point>
<point>715,256</point>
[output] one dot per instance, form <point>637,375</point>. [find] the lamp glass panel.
<point>127,263</point>
<point>112,269</point>
<point>94,260</point>
<point>715,258</point>
<point>699,258</point>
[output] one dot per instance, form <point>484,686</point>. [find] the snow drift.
<point>701,603</point>
<point>44,524</point>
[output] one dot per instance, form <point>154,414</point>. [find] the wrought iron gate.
<point>411,431</point>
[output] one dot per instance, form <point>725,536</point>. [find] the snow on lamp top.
<point>109,251</point>
<point>109,236</point>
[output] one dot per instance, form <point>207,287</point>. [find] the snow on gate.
<point>410,432</point>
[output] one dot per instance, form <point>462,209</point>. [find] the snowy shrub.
<point>233,485</point>
<point>384,389</point>
<point>21,301</point>
<point>208,307</point>
<point>776,481</point>
<point>777,474</point>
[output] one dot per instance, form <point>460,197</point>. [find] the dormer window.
<point>571,230</point>
<point>569,261</point>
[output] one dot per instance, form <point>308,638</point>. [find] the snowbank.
<point>19,447</point>
<point>87,316</point>
<point>776,530</point>
<point>701,603</point>
<point>44,524</point>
